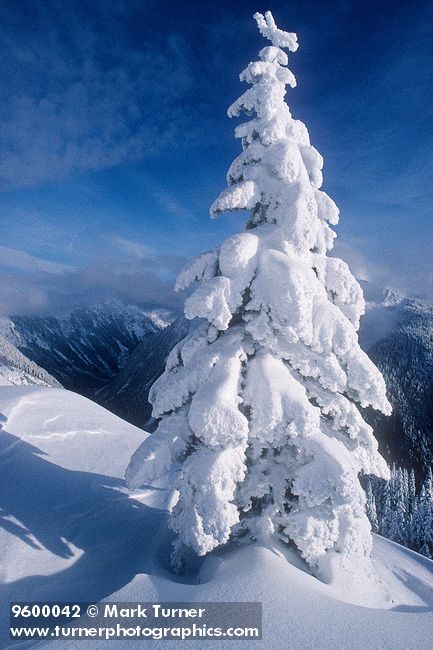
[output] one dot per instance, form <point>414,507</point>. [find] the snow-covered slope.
<point>68,527</point>
<point>70,531</point>
<point>302,613</point>
<point>17,369</point>
<point>86,348</point>
<point>397,332</point>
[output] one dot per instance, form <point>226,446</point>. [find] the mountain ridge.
<point>85,348</point>
<point>404,355</point>
<point>124,350</point>
<point>17,369</point>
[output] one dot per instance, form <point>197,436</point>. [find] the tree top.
<point>278,37</point>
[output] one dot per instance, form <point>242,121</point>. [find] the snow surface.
<point>71,531</point>
<point>61,510</point>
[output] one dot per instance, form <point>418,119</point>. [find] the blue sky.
<point>115,140</point>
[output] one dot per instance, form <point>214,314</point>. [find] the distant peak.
<point>392,298</point>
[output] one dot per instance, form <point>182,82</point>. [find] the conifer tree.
<point>411,510</point>
<point>423,518</point>
<point>371,507</point>
<point>388,504</point>
<point>411,491</point>
<point>428,484</point>
<point>257,408</point>
<point>397,517</point>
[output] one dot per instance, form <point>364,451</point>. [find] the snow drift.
<point>69,531</point>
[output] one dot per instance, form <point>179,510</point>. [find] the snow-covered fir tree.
<point>411,492</point>
<point>371,508</point>
<point>258,407</point>
<point>428,483</point>
<point>411,509</point>
<point>423,518</point>
<point>396,514</point>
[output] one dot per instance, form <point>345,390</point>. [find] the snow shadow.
<point>71,514</point>
<point>191,573</point>
<point>415,584</point>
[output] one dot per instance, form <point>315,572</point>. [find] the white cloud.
<point>19,260</point>
<point>407,274</point>
<point>133,249</point>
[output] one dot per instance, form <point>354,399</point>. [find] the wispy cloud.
<point>408,274</point>
<point>132,249</point>
<point>75,99</point>
<point>91,85</point>
<point>19,260</point>
<point>111,267</point>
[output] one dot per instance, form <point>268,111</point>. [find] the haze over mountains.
<point>114,352</point>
